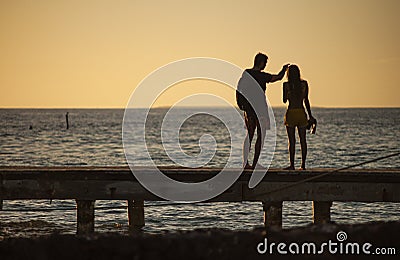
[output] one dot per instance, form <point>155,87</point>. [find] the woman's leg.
<point>292,145</point>
<point>303,142</point>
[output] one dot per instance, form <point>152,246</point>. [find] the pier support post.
<point>273,214</point>
<point>85,216</point>
<point>1,204</point>
<point>136,214</point>
<point>321,212</point>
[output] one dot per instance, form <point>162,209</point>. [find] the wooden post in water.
<point>321,212</point>
<point>136,214</point>
<point>273,214</point>
<point>85,216</point>
<point>1,204</point>
<point>66,119</point>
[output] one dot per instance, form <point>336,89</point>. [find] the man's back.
<point>261,77</point>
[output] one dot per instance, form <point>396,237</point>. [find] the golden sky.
<point>73,53</point>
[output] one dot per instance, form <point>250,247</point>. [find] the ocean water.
<point>344,137</point>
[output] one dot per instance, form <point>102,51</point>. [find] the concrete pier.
<point>136,214</point>
<point>85,216</point>
<point>322,212</point>
<point>273,214</point>
<point>88,184</point>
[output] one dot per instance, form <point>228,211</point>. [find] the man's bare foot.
<point>302,168</point>
<point>290,168</point>
<point>247,166</point>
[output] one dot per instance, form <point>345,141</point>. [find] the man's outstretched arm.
<point>281,74</point>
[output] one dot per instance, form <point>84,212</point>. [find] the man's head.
<point>260,61</point>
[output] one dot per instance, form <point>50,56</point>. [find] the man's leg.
<point>292,145</point>
<point>261,132</point>
<point>251,127</point>
<point>303,142</point>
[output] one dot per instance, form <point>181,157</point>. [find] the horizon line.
<point>163,107</point>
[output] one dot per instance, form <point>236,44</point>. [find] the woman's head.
<point>293,73</point>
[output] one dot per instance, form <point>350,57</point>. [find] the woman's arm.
<point>285,91</point>
<point>307,102</point>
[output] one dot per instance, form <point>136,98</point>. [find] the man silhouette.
<point>256,114</point>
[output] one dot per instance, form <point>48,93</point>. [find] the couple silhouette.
<point>250,96</point>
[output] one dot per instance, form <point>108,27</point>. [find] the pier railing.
<point>88,184</point>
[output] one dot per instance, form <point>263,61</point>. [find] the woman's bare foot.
<point>290,168</point>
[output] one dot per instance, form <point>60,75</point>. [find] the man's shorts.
<point>252,120</point>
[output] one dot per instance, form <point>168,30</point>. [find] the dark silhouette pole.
<point>66,119</point>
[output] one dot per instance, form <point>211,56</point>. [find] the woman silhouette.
<point>296,91</point>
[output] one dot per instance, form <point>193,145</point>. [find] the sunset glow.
<point>93,53</point>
